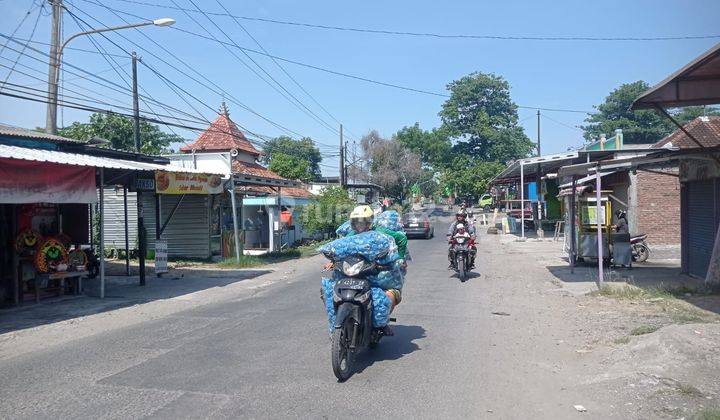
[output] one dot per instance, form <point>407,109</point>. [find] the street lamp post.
<point>56,58</point>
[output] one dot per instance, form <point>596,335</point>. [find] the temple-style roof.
<point>222,135</point>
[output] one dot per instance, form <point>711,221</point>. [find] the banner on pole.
<point>161,257</point>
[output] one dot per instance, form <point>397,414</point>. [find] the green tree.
<point>434,147</point>
<point>483,119</point>
<point>118,130</point>
<point>687,114</point>
<point>469,177</point>
<point>303,149</point>
<point>291,167</point>
<point>639,127</point>
<point>330,209</point>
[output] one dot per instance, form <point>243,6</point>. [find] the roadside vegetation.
<point>250,261</point>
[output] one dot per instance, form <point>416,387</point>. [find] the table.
<point>61,277</point>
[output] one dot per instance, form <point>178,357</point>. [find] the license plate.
<point>351,284</point>
<point>413,224</point>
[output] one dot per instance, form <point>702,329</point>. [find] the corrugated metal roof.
<point>9,130</point>
<point>77,159</point>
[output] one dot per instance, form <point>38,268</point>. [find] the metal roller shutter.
<point>702,224</point>
<point>187,234</point>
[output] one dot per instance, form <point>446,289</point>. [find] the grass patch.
<point>622,340</point>
<point>250,261</point>
<point>708,414</point>
<point>644,329</point>
<point>687,389</point>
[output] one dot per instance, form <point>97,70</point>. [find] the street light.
<point>56,60</point>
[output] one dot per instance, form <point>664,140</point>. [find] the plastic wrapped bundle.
<point>372,245</point>
<point>389,219</point>
<point>344,229</point>
<point>388,279</point>
<point>381,308</point>
<point>327,289</point>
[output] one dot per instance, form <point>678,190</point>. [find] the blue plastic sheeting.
<point>372,245</point>
<point>327,289</point>
<point>388,279</point>
<point>344,229</point>
<point>381,305</point>
<point>381,308</point>
<point>389,219</point>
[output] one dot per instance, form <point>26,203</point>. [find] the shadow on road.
<point>121,292</point>
<point>392,348</point>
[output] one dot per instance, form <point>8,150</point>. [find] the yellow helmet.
<point>361,218</point>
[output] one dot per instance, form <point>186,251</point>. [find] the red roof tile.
<point>705,129</point>
<point>285,191</point>
<point>221,136</point>
<point>254,169</point>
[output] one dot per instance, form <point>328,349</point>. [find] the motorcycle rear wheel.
<point>341,356</point>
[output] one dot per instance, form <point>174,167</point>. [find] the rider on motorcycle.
<point>361,220</point>
<point>461,219</point>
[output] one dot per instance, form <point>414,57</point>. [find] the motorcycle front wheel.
<point>461,268</point>
<point>642,252</point>
<point>341,356</point>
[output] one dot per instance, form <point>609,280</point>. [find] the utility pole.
<point>54,67</point>
<point>142,240</point>
<point>342,158</point>
<point>538,133</point>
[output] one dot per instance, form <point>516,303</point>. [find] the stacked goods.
<point>373,246</point>
<point>381,305</point>
<point>390,220</point>
<point>344,229</point>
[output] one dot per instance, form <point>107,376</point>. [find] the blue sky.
<point>560,74</point>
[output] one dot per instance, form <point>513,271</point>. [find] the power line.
<point>295,101</point>
<point>562,123</point>
<point>215,88</point>
<point>19,25</point>
<point>326,70</point>
<point>431,34</point>
<point>24,47</point>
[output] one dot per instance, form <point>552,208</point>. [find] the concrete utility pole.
<point>342,158</point>
<point>142,237</point>
<point>538,133</point>
<point>54,67</point>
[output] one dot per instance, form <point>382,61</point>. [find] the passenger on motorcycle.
<point>461,219</point>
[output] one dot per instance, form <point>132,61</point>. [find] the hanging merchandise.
<point>27,241</point>
<point>51,256</point>
<point>372,245</point>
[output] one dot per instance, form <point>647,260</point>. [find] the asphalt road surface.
<point>268,356</point>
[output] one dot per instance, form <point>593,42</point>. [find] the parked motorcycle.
<point>460,249</point>
<point>640,248</point>
<point>353,330</point>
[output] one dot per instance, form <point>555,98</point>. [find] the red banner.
<point>23,181</point>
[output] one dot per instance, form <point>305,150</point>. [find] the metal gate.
<point>702,224</point>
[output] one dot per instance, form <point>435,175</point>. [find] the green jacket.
<point>400,238</point>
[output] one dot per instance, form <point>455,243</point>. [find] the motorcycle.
<point>461,245</point>
<point>640,249</point>
<point>353,330</point>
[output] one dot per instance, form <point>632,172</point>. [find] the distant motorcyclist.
<point>461,219</point>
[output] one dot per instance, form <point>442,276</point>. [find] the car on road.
<point>417,225</point>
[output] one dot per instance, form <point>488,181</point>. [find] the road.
<point>266,355</point>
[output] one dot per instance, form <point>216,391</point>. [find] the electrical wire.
<point>217,89</point>
<point>24,47</point>
<point>431,34</point>
<point>326,70</point>
<point>563,124</point>
<point>33,5</point>
<point>292,98</point>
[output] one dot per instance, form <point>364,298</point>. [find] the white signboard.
<point>161,257</point>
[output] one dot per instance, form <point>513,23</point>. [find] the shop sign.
<point>144,184</point>
<point>161,257</point>
<point>184,183</point>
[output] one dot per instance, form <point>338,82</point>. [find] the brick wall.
<point>658,208</point>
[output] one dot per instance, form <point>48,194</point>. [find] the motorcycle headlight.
<point>460,240</point>
<point>352,270</point>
